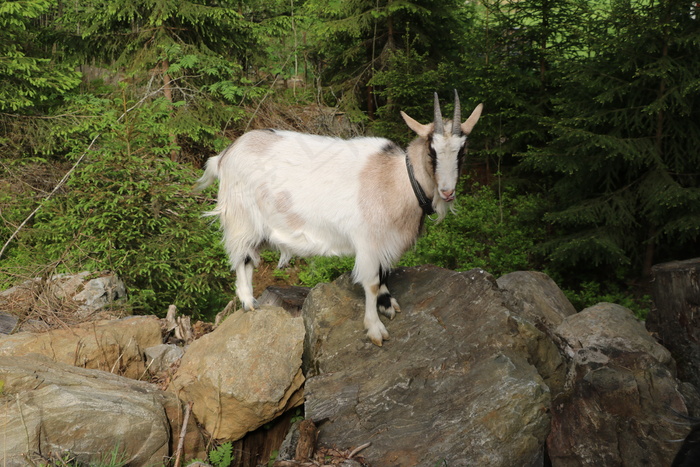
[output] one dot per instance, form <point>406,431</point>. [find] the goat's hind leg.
<point>244,283</point>
<point>386,304</point>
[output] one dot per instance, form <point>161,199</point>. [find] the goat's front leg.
<point>376,331</point>
<point>244,284</point>
<point>386,304</point>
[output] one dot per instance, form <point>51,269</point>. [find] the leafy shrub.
<point>488,232</point>
<point>590,293</point>
<point>321,269</point>
<point>222,456</point>
<point>128,208</point>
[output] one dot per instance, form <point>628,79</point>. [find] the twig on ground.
<point>183,433</point>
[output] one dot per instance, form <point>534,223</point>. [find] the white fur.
<point>309,195</point>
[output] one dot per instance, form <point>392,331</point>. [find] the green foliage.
<point>623,157</point>
<point>273,457</point>
<point>321,269</point>
<point>488,232</point>
<point>128,208</point>
<point>30,75</point>
<point>356,39</point>
<point>590,293</point>
<point>222,456</point>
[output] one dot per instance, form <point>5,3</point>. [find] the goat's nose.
<point>448,195</point>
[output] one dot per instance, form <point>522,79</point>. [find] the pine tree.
<point>187,52</point>
<point>356,39</point>
<point>624,162</point>
<point>30,73</point>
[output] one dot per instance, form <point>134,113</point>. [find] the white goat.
<point>312,195</point>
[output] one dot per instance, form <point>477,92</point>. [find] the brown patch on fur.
<point>374,288</point>
<point>295,221</point>
<point>385,189</point>
<point>283,201</point>
<point>260,139</point>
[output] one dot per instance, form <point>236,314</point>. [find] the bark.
<point>675,318</point>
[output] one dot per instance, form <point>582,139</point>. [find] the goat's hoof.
<point>388,312</point>
<point>395,305</point>
<point>378,334</point>
<point>252,306</point>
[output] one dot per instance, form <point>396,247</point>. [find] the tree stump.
<point>675,316</point>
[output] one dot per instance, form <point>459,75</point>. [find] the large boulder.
<point>115,346</point>
<point>622,400</point>
<point>453,386</point>
<point>244,373</point>
<point>536,296</point>
<point>48,409</point>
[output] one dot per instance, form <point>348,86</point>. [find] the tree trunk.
<point>675,316</point>
<point>168,93</point>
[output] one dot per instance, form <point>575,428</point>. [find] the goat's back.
<point>308,194</point>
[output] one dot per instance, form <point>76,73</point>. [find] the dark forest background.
<point>585,164</point>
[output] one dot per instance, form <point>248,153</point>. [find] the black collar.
<point>425,203</point>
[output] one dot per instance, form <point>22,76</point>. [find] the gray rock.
<point>621,400</point>
<point>99,293</point>
<point>80,293</point>
<point>8,323</point>
<point>453,385</point>
<point>290,298</point>
<point>162,357</point>
<point>48,407</point>
<point>537,297</point>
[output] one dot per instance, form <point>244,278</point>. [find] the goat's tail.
<point>211,173</point>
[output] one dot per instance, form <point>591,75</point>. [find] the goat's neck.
<point>418,154</point>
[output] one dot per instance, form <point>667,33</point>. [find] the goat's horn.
<point>438,117</point>
<point>457,118</point>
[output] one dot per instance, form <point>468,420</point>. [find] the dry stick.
<point>358,449</point>
<point>183,432</point>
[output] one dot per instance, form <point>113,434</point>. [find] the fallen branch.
<point>357,450</point>
<point>183,433</point>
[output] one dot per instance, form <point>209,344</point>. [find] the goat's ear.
<point>468,125</point>
<point>420,129</point>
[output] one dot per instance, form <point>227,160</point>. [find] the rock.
<point>244,373</point>
<point>289,298</point>
<point>81,293</point>
<point>162,357</point>
<point>621,395</point>
<point>99,293</point>
<point>111,345</point>
<point>537,297</point>
<point>288,448</point>
<point>8,323</point>
<point>453,386</point>
<point>49,408</point>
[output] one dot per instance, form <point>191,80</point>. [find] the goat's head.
<point>445,142</point>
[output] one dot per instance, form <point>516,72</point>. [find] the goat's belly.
<point>305,244</point>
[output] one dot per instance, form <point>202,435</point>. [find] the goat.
<point>309,195</point>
